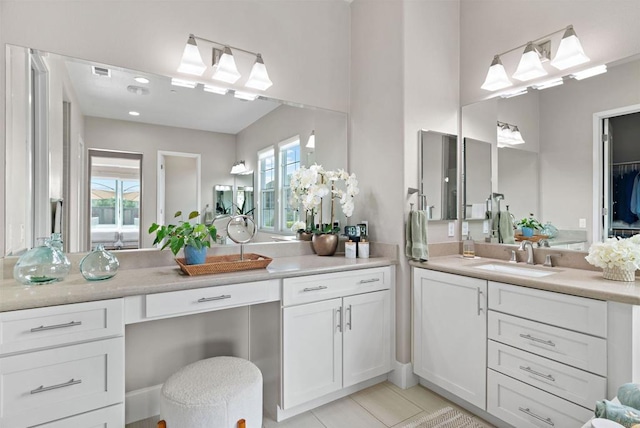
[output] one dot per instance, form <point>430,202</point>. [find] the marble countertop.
<point>130,282</point>
<point>577,282</point>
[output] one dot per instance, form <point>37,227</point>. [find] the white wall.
<point>217,150</point>
<point>181,194</point>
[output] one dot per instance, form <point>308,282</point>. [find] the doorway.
<point>178,185</point>
<point>115,195</point>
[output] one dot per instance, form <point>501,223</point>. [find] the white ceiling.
<point>165,104</point>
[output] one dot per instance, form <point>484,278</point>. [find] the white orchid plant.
<point>616,252</point>
<point>310,185</point>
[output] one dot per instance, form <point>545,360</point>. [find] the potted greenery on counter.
<point>529,225</point>
<point>193,237</point>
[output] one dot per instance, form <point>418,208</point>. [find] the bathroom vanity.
<point>524,346</point>
<point>327,321</point>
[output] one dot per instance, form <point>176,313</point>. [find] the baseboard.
<point>142,403</point>
<point>402,375</point>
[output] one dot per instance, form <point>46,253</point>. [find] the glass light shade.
<point>496,76</point>
<point>259,78</point>
<point>570,52</point>
<point>529,66</point>
<point>191,62</point>
<point>215,89</point>
<point>225,69</point>
<point>239,168</point>
<point>311,143</point>
<point>505,135</point>
<point>517,137</point>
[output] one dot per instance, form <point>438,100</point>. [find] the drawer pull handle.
<point>535,339</point>
<point>320,287</point>
<point>479,301</point>
<point>209,299</point>
<point>349,322</point>
<point>365,281</point>
<point>547,421</point>
<point>530,370</point>
<point>43,388</point>
<point>53,327</point>
<point>339,313</point>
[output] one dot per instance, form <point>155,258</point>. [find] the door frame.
<point>599,168</point>
<point>160,195</point>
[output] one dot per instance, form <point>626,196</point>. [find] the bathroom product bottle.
<point>468,249</point>
<point>350,250</point>
<point>363,249</point>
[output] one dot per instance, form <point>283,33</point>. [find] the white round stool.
<point>213,393</point>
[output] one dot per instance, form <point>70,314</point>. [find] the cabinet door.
<point>366,338</point>
<point>312,351</point>
<point>450,333</point>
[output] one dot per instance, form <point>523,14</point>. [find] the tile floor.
<point>380,406</point>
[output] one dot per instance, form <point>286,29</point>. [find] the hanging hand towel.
<point>506,228</point>
<point>416,236</point>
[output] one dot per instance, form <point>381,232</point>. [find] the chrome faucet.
<point>528,246</point>
<point>543,243</point>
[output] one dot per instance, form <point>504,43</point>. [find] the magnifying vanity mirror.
<point>438,175</point>
<point>564,168</point>
<point>63,107</point>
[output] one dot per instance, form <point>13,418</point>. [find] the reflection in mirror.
<point>244,194</point>
<point>477,178</point>
<point>438,175</point>
<point>557,174</point>
<point>88,105</point>
<point>223,197</point>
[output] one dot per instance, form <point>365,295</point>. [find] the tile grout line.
<point>366,410</point>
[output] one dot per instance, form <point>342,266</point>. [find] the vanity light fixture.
<point>569,54</point>
<point>239,168</point>
<point>590,72</point>
<point>191,62</point>
<point>508,134</point>
<point>311,142</point>
<point>224,64</point>
<point>183,83</point>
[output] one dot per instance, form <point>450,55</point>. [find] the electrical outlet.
<point>465,228</point>
<point>452,227</point>
<point>582,222</point>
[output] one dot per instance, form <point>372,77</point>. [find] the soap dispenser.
<point>468,249</point>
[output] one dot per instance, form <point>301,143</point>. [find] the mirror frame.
<point>421,159</point>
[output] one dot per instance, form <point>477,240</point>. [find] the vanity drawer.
<point>60,325</point>
<point>524,406</point>
<point>314,288</point>
<point>572,312</point>
<point>109,417</point>
<point>47,385</point>
<point>207,299</point>
<point>575,385</point>
<point>568,347</point>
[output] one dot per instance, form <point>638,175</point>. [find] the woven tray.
<point>534,238</point>
<point>225,264</point>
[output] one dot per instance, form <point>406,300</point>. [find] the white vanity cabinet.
<point>450,333</point>
<point>547,356</point>
<point>336,332</point>
<point>64,364</point>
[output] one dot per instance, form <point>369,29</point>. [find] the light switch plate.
<point>452,227</point>
<point>465,228</point>
<point>485,226</point>
<point>582,222</point>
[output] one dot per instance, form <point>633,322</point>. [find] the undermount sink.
<point>530,272</point>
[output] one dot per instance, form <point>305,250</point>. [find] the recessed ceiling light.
<point>134,113</point>
<point>141,79</point>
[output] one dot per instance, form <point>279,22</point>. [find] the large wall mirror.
<point>558,173</point>
<point>60,108</point>
<point>477,178</point>
<point>438,175</point>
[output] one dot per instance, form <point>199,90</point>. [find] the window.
<point>275,171</point>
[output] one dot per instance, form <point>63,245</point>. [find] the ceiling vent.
<point>138,90</point>
<point>100,71</point>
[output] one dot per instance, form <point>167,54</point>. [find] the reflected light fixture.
<point>224,64</point>
<point>496,76</point>
<point>590,72</point>
<point>191,62</point>
<point>569,54</point>
<point>239,168</point>
<point>530,65</point>
<point>311,143</point>
<point>508,135</point>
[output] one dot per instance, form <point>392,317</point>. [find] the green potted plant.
<point>193,237</point>
<point>529,224</point>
